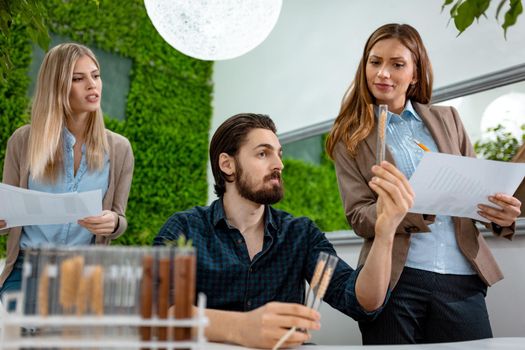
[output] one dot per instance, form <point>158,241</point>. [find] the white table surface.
<point>484,344</point>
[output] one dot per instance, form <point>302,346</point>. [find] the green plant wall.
<point>167,114</point>
<point>13,100</point>
<point>312,191</point>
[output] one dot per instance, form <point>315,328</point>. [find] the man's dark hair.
<point>229,137</point>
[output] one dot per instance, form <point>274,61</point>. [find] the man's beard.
<point>263,196</point>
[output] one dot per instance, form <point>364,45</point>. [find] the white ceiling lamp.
<point>214,29</point>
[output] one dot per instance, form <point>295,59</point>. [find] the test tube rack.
<point>105,298</point>
<point>12,324</point>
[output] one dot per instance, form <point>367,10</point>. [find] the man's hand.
<point>395,198</point>
<point>507,211</point>
<point>264,326</point>
<point>104,224</point>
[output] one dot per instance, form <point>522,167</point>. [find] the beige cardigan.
<point>353,175</point>
<point>16,173</point>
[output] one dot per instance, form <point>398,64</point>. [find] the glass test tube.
<point>381,133</point>
<point>184,292</point>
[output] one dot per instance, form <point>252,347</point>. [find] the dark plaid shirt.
<point>231,281</point>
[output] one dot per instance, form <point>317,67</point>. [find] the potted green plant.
<point>502,145</point>
<point>499,144</point>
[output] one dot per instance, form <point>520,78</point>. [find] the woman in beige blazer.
<point>441,265</point>
<point>66,148</point>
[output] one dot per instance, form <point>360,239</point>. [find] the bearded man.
<point>253,260</point>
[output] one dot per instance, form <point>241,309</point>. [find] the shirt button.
<point>249,303</point>
<point>239,241</point>
<point>251,269</point>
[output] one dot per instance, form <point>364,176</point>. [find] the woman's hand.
<point>395,197</point>
<point>2,224</point>
<point>104,224</point>
<point>508,210</point>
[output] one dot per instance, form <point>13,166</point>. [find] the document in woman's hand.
<point>447,184</point>
<point>20,207</point>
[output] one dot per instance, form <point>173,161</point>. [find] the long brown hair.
<point>356,116</point>
<point>50,111</point>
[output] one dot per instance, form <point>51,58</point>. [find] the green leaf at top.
<point>511,16</point>
<point>445,4</point>
<point>465,16</point>
<point>500,6</point>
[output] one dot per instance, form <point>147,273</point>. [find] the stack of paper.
<point>21,207</point>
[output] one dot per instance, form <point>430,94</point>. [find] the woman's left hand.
<point>508,210</point>
<point>395,198</point>
<point>104,224</point>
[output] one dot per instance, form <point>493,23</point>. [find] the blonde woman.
<point>66,148</point>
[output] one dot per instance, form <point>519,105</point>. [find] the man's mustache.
<point>276,175</point>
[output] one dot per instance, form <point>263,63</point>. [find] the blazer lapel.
<point>432,120</point>
<point>371,141</point>
<point>435,125</point>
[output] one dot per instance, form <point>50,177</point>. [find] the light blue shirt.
<point>84,180</point>
<point>435,251</point>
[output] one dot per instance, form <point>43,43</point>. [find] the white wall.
<point>299,74</point>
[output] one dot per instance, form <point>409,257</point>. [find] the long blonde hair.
<point>356,116</point>
<point>50,110</point>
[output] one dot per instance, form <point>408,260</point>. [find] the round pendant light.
<point>213,29</point>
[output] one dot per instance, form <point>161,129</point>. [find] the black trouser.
<point>428,307</point>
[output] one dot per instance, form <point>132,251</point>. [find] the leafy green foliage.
<point>511,16</point>
<point>312,191</point>
<point>31,14</point>
<point>500,145</point>
<point>168,107</point>
<point>463,12</point>
<point>13,101</point>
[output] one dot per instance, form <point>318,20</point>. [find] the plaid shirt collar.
<point>219,217</point>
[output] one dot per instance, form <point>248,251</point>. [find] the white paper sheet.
<point>452,185</point>
<point>20,207</point>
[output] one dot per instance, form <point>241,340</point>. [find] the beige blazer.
<point>359,200</point>
<point>520,191</point>
<point>16,173</point>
